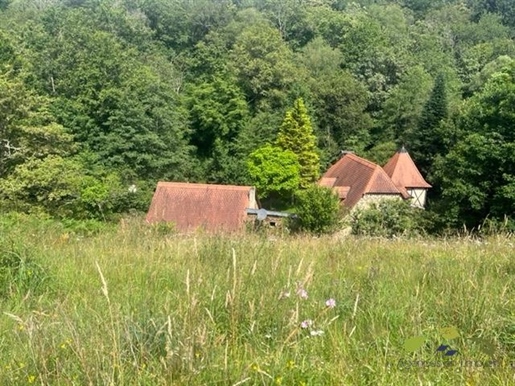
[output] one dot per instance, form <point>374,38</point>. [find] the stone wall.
<point>371,198</point>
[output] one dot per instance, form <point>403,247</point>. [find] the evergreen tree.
<point>426,142</point>
<point>296,135</point>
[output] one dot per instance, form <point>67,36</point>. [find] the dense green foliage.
<point>477,175</point>
<point>274,171</point>
<point>387,218</point>
<point>318,210</point>
<point>118,93</point>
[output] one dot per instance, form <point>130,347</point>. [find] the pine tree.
<point>426,142</point>
<point>296,135</point>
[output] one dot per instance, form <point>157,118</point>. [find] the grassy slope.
<point>131,306</point>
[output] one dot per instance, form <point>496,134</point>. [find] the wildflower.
<point>306,323</point>
<point>331,303</point>
<point>302,293</point>
<point>284,295</point>
<point>316,332</point>
<point>31,378</point>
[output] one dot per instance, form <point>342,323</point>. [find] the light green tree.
<point>274,171</point>
<point>296,135</point>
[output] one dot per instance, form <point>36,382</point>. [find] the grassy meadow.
<point>135,305</point>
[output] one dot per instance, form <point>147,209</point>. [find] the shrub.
<point>318,210</point>
<point>387,218</point>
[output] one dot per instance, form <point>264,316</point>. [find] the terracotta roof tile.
<point>360,177</point>
<point>327,182</point>
<point>211,207</point>
<point>403,171</point>
<point>342,191</point>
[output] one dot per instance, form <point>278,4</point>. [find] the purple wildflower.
<point>331,303</point>
<point>302,293</point>
<point>306,323</point>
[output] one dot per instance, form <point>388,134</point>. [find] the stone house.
<point>360,182</point>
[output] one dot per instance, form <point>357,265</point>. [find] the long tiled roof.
<point>359,177</point>
<point>206,206</point>
<point>403,172</point>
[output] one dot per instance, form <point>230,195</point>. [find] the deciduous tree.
<point>274,171</point>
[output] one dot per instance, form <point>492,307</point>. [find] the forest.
<point>100,99</point>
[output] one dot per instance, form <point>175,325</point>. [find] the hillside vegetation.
<point>136,305</point>
<point>101,99</point>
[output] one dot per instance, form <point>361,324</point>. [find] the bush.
<point>318,210</point>
<point>387,218</point>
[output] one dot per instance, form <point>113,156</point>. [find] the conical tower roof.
<point>403,171</point>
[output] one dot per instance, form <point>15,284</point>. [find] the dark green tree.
<point>117,102</point>
<point>181,24</point>
<point>426,142</point>
<point>504,8</point>
<point>263,64</point>
<point>339,101</point>
<point>217,110</point>
<point>403,108</point>
<point>477,176</point>
<point>296,135</point>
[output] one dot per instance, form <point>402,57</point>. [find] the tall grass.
<point>131,305</point>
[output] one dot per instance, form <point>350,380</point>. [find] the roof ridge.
<point>190,185</point>
<point>363,161</point>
